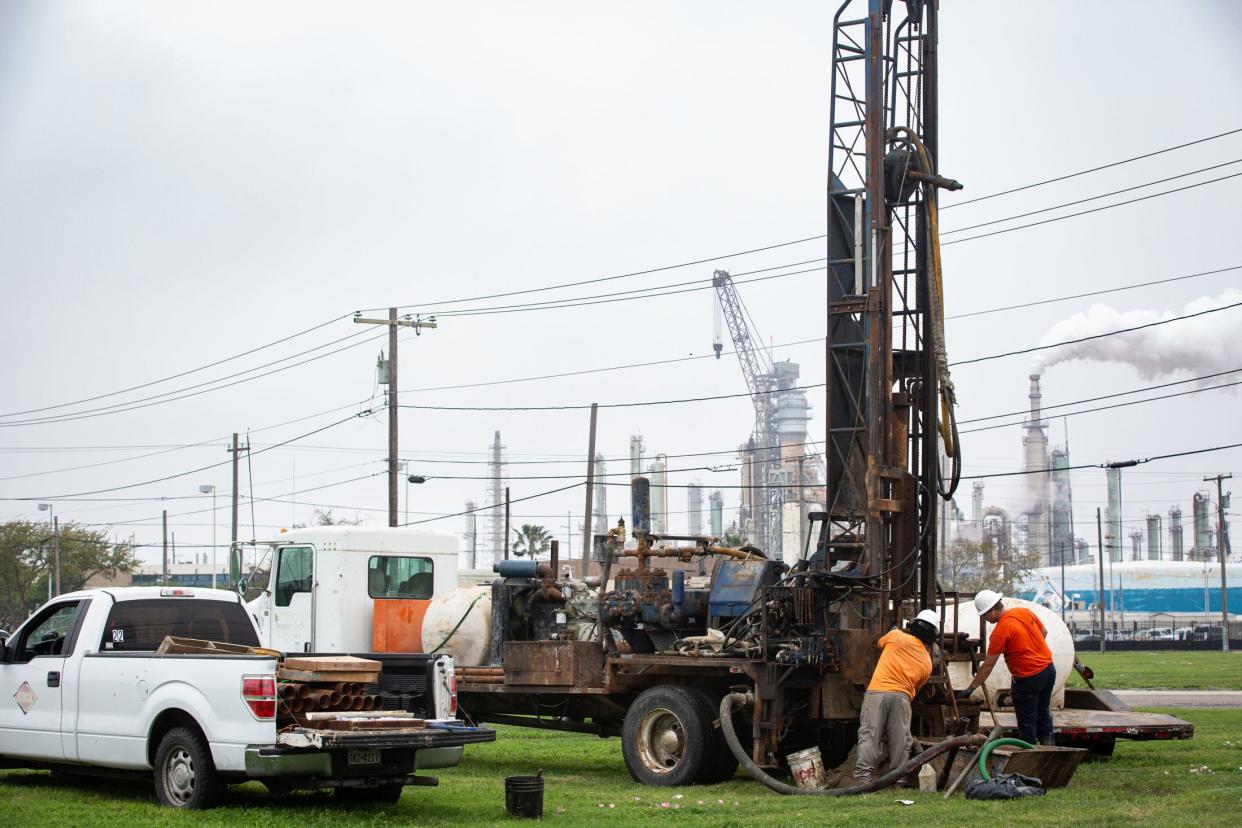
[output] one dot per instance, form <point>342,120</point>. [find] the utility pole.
<point>234,557</point>
<point>1221,540</point>
<point>590,494</point>
<point>393,323</point>
<point>1099,559</point>
<point>56,548</point>
<point>506,523</point>
<point>164,579</point>
<point>1062,580</point>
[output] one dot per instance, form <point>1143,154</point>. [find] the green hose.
<point>995,743</point>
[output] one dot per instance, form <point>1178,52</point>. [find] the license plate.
<point>367,756</point>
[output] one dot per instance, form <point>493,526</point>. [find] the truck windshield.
<point>142,625</point>
<point>393,576</point>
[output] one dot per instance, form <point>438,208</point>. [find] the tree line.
<point>27,564</point>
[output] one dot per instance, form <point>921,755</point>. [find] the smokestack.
<point>1035,455</point>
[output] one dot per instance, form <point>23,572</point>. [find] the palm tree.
<point>531,540</point>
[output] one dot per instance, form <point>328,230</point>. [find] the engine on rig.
<point>736,602</point>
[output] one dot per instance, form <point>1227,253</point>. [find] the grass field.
<point>1196,782</point>
<point>1163,670</point>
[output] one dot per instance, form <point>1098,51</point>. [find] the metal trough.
<point>1054,766</point>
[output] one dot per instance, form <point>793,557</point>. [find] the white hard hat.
<point>930,617</point>
<point>986,599</point>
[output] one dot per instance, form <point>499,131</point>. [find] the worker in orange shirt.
<point>904,667</point>
<point>1020,636</point>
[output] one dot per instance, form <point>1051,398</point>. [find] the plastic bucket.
<point>807,767</point>
<point>524,796</point>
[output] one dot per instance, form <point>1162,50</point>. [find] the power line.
<point>1110,407</point>
<point>585,371</point>
<point>1044,408</point>
<point>493,506</point>
<point>1097,336</point>
<point>185,473</point>
<point>1093,210</point>
<point>148,402</point>
<point>607,405</point>
<point>1094,293</point>
<point>622,296</point>
<point>272,344</point>
<point>1091,170</point>
<point>528,291</point>
<point>1092,198</point>
<point>1151,459</point>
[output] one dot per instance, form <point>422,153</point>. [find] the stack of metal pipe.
<point>297,697</point>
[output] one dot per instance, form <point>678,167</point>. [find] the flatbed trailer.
<point>664,707</point>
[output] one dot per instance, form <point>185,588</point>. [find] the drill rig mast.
<point>887,375</point>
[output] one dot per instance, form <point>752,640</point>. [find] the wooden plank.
<point>333,664</point>
<point>285,674</point>
<point>371,724</point>
<point>177,645</point>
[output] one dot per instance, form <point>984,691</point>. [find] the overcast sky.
<point>183,182</point>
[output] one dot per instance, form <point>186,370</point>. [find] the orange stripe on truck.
<point>397,625</point>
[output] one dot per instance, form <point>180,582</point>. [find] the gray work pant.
<point>885,716</point>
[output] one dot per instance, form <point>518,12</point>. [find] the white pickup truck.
<point>82,691</point>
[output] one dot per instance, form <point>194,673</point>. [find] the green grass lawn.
<point>1196,782</point>
<point>1163,670</point>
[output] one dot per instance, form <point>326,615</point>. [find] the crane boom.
<point>768,498</point>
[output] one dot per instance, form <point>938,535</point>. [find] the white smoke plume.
<point>1204,345</point>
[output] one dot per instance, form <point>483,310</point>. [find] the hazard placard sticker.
<point>26,697</point>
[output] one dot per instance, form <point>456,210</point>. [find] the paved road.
<point>1181,698</point>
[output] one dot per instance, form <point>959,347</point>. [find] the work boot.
<point>1049,739</point>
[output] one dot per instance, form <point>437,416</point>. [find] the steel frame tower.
<point>884,376</point>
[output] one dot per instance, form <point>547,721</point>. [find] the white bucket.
<point>807,767</point>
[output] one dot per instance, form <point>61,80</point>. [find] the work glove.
<point>962,695</point>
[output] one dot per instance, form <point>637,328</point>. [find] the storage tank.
<point>459,623</point>
<point>1060,642</point>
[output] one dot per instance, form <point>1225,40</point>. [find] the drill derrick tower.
<point>887,372</point>
<point>768,496</point>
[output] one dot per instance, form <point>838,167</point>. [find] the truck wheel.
<point>666,737</point>
<point>719,763</point>
<point>1101,749</point>
<point>185,776</point>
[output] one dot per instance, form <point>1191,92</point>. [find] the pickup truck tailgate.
<point>432,735</point>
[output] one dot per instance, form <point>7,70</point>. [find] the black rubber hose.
<point>759,775</point>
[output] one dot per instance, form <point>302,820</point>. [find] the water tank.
<point>459,623</point>
<point>1060,642</point>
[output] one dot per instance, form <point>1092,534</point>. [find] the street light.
<point>51,523</point>
<point>413,478</point>
<point>208,488</point>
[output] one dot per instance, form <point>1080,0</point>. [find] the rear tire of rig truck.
<point>667,737</point>
<point>719,763</point>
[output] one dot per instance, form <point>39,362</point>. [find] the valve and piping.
<point>733,701</point>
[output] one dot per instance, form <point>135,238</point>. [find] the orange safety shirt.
<point>904,664</point>
<point>1018,636</point>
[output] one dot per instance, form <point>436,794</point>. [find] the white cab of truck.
<point>326,583</point>
<point>82,690</point>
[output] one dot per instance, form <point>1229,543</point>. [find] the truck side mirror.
<point>4,647</point>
